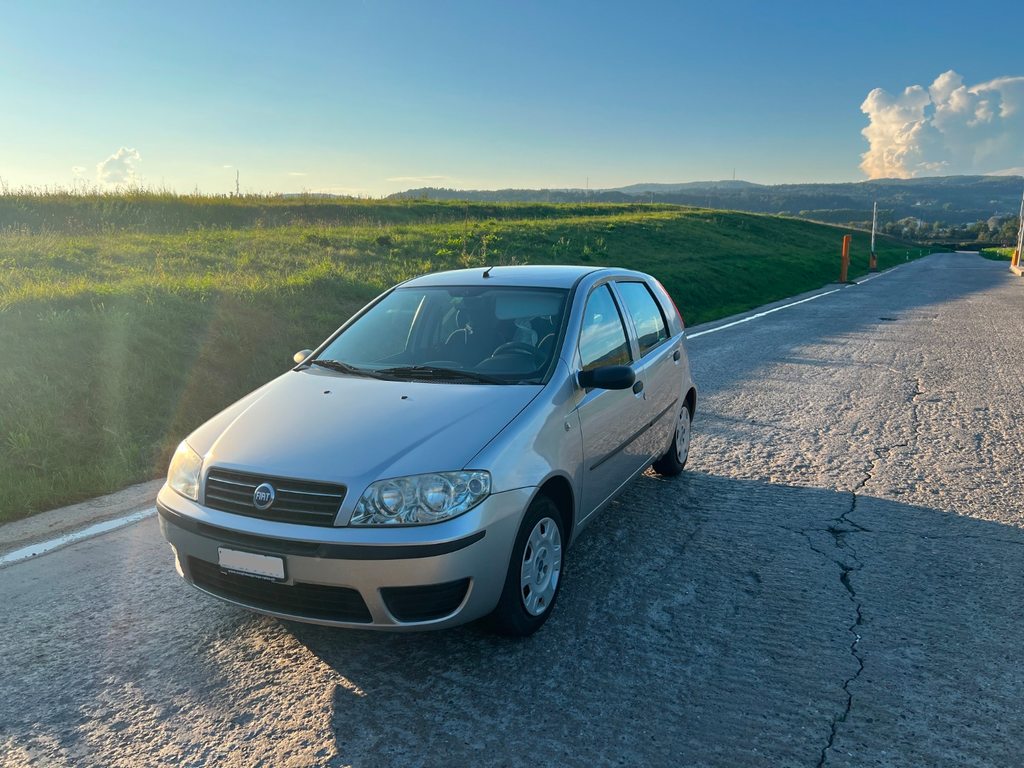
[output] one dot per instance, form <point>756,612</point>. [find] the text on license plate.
<point>264,566</point>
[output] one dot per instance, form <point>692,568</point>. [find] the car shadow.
<point>709,620</point>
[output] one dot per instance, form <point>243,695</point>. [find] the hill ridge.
<point>950,200</point>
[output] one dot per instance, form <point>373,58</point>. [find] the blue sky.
<point>377,96</point>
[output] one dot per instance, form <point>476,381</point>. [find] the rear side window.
<point>647,317</point>
<point>603,337</point>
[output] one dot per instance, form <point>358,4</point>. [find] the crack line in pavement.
<point>839,537</point>
<point>843,525</point>
<point>840,527</point>
<point>838,530</point>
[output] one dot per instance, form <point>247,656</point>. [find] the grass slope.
<point>998,254</point>
<point>118,343</point>
<point>142,211</point>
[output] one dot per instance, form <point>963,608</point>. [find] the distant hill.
<point>952,200</point>
<point>688,186</point>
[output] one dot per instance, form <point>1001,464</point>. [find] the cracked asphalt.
<point>836,580</point>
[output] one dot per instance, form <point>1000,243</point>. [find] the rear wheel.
<point>674,460</point>
<point>534,572</point>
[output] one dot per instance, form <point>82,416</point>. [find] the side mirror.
<point>301,356</point>
<point>608,377</point>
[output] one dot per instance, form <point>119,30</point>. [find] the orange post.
<point>844,263</point>
<point>873,262</point>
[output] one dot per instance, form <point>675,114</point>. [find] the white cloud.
<point>119,168</point>
<point>297,173</point>
<point>947,128</point>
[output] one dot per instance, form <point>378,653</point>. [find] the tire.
<point>675,457</point>
<point>538,553</point>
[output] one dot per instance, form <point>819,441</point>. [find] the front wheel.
<point>534,572</point>
<point>674,460</point>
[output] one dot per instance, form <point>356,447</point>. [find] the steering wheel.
<point>516,348</point>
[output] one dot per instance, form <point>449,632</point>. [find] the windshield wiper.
<point>340,367</point>
<point>434,372</point>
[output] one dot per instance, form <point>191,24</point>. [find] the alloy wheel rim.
<point>683,435</point>
<point>541,567</point>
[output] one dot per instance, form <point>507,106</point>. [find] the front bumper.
<point>464,559</point>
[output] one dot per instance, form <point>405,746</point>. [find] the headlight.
<point>183,474</point>
<point>421,498</point>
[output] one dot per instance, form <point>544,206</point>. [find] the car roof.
<point>524,275</point>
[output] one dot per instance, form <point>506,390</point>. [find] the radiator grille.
<point>296,501</point>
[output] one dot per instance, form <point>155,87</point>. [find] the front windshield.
<point>502,334</point>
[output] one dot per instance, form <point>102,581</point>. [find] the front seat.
<point>475,339</point>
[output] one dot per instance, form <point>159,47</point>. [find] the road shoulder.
<point>68,520</point>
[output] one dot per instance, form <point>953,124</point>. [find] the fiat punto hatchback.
<point>432,461</point>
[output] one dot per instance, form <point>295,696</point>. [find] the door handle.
<point>638,387</point>
<point>676,355</point>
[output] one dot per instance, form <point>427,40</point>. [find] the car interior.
<point>509,333</point>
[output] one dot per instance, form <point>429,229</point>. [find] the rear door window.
<point>648,319</point>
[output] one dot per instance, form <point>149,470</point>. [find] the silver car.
<point>432,461</point>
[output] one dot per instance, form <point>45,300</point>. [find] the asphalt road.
<point>838,579</point>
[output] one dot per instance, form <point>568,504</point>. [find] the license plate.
<point>251,564</point>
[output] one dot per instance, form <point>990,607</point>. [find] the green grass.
<point>118,341</point>
<point>164,213</point>
<point>997,254</point>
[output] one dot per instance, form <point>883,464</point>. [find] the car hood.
<point>319,425</point>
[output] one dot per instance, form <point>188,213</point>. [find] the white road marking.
<point>34,550</point>
<point>761,314</point>
<point>878,274</point>
<point>787,306</point>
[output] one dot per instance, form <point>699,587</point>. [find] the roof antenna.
<point>487,272</point>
